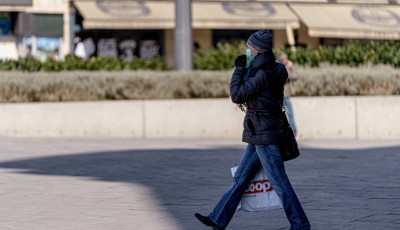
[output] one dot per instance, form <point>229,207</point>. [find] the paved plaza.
<point>110,184</point>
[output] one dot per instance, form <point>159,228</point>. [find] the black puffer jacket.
<point>263,94</point>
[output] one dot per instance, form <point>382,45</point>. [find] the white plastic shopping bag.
<point>260,195</point>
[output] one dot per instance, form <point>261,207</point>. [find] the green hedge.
<point>72,62</point>
<point>222,58</point>
<point>352,54</point>
<point>326,80</point>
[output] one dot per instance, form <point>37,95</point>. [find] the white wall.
<point>82,119</point>
<point>316,118</point>
<point>8,48</point>
<point>325,117</point>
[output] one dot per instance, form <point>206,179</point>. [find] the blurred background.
<point>129,28</point>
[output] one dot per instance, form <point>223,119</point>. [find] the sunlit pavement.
<point>159,184</point>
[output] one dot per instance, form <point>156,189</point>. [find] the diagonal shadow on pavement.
<point>339,189</point>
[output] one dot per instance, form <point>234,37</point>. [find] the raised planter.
<point>316,118</point>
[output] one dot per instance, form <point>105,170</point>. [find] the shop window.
<point>341,41</point>
<point>122,43</point>
<point>332,41</point>
<point>48,25</point>
<point>5,23</point>
<point>16,2</point>
<point>231,36</point>
<point>24,24</point>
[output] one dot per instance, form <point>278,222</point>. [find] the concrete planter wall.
<point>316,118</point>
<point>348,117</point>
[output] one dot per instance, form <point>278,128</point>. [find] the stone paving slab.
<point>156,184</point>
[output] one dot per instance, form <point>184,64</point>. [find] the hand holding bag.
<point>289,149</point>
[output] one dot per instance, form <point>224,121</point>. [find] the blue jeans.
<point>289,111</point>
<point>255,156</point>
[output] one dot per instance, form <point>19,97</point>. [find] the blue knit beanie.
<point>260,41</point>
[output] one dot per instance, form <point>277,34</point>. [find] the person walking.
<point>292,76</point>
<point>259,89</point>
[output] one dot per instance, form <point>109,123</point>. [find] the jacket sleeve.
<point>242,90</point>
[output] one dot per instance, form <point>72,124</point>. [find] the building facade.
<point>129,28</point>
<point>32,28</point>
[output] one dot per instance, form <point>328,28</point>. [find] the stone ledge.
<point>316,118</point>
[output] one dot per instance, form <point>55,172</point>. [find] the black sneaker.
<point>206,221</point>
